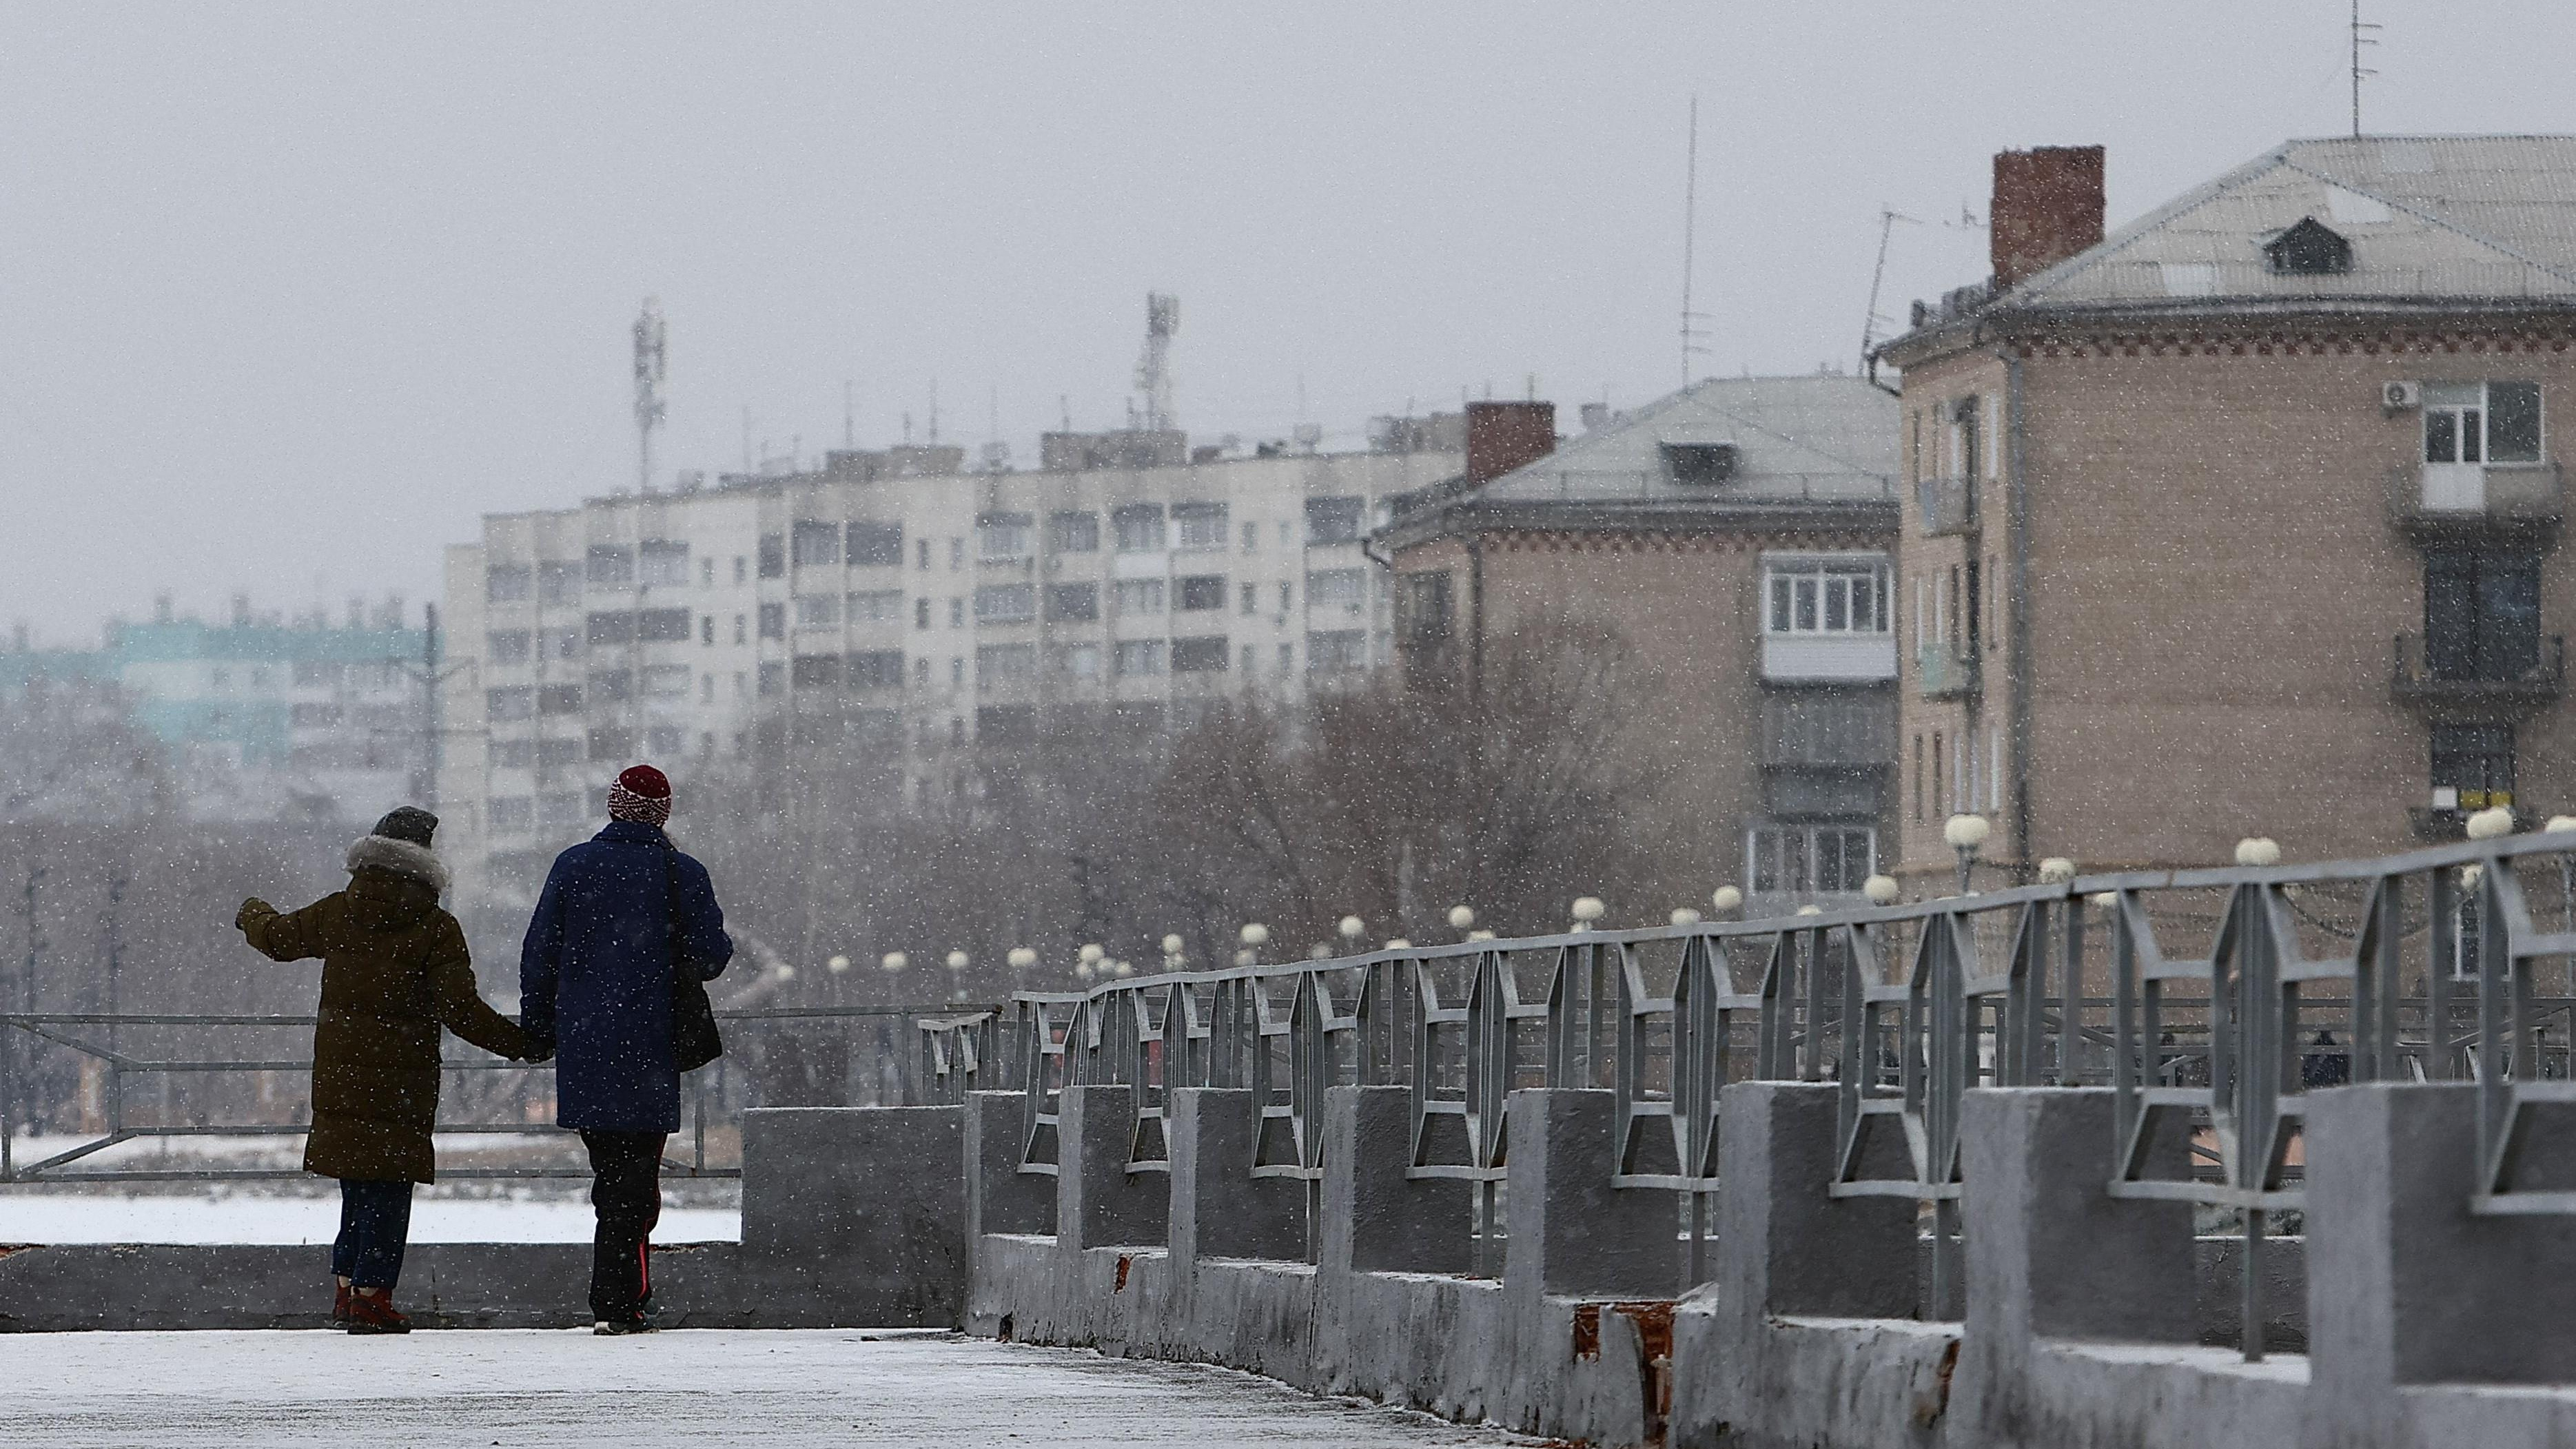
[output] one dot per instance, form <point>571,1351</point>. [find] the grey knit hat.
<point>408,823</point>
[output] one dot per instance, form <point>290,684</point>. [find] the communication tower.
<point>648,389</point>
<point>1154,368</point>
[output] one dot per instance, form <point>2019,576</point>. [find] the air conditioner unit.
<point>2398,397</point>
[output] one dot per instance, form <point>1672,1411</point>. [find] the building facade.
<point>1736,539</point>
<point>2244,518</point>
<point>917,613</point>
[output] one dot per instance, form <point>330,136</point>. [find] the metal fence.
<point>2428,966</point>
<point>791,1056</point>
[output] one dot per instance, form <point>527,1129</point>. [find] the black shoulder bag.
<point>694,1042</point>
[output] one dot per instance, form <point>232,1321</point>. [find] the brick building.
<point>1736,537</point>
<point>2243,519</point>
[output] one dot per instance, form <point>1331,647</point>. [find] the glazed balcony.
<point>1948,506</point>
<point>1946,671</point>
<point>2434,501</point>
<point>2489,680</point>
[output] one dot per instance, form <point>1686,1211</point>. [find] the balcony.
<point>1948,506</point>
<point>2484,684</point>
<point>1828,658</point>
<point>2471,500</point>
<point>1945,671</point>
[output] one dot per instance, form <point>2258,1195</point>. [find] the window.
<point>513,814</point>
<point>818,611</point>
<point>1006,603</point>
<point>1287,658</point>
<point>2482,422</point>
<point>1138,596</point>
<point>875,545</point>
<point>773,678</point>
<point>1139,657</point>
<point>2308,248</point>
<point>610,628</point>
<point>1200,525</point>
<point>1203,591</point>
<point>921,673</point>
<point>957,672</point>
<point>924,551</point>
<point>706,573</point>
<point>557,753</point>
<point>665,561</point>
<point>815,544</point>
<point>558,582</point>
<point>2481,615</point>
<point>773,621</point>
<point>998,664</point>
<point>1251,599</point>
<point>1826,596</point>
<point>738,622</point>
<point>816,671</point>
<point>1199,656</point>
<point>312,714</point>
<point>956,613</point>
<point>666,681</point>
<point>1007,724</point>
<point>564,809</point>
<point>1073,532</point>
<point>1699,463</point>
<point>1003,536</point>
<point>610,566</point>
<point>663,626</point>
<point>876,669</point>
<point>507,583</point>
<point>876,606</point>
<point>1328,587</point>
<point>1139,527</point>
<point>609,685</point>
<point>561,642</point>
<point>1337,651</point>
<point>611,742</point>
<point>662,740</point>
<point>1077,603</point>
<point>921,613</point>
<point>738,563</point>
<point>1251,537</point>
<point>508,646</point>
<point>1809,859</point>
<point>707,630</point>
<point>2472,766</point>
<point>1332,520</point>
<point>559,699</point>
<point>514,754</point>
<point>1077,661</point>
<point>773,555</point>
<point>956,554</point>
<point>1918,777</point>
<point>1285,591</point>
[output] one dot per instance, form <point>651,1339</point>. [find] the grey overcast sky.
<point>291,294</point>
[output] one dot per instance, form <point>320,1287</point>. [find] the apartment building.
<point>2243,518</point>
<point>894,607</point>
<point>267,716</point>
<point>1737,537</point>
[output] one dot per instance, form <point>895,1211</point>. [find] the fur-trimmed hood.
<point>400,858</point>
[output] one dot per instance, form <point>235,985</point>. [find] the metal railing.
<point>2429,965</point>
<point>712,1097</point>
<point>2416,678</point>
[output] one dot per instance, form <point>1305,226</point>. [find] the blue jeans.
<point>375,1221</point>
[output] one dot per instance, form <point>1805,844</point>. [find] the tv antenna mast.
<point>1888,217</point>
<point>1154,368</point>
<point>1693,335</point>
<point>2358,69</point>
<point>648,388</point>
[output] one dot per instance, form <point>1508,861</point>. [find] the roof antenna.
<point>849,418</point>
<point>2358,70</point>
<point>1691,332</point>
<point>1888,217</point>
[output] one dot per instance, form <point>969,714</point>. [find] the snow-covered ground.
<point>51,1215</point>
<point>483,1387</point>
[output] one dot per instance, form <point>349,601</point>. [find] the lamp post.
<point>1966,833</point>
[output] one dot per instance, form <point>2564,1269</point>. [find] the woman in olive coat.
<point>394,971</point>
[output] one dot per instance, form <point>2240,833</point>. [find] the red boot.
<point>340,1308</point>
<point>374,1313</point>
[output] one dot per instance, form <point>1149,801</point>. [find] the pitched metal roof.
<point>2476,219</point>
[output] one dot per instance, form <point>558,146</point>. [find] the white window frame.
<point>1802,880</point>
<point>1800,594</point>
<point>2472,423</point>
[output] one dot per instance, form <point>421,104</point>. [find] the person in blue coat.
<point>620,914</point>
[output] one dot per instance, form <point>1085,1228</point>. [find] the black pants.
<point>626,1190</point>
<point>375,1222</point>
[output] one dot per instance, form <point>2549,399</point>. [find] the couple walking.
<point>623,916</point>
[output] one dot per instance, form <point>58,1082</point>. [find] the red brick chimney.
<point>2047,207</point>
<point>1502,436</point>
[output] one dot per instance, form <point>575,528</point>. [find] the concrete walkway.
<point>694,1389</point>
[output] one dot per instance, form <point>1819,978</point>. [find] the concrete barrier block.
<point>1570,1231</point>
<point>2050,1253</point>
<point>863,1206</point>
<point>1219,1209</point>
<point>1099,1203</point>
<point>1789,1245</point>
<point>1375,1217</point>
<point>1000,1198</point>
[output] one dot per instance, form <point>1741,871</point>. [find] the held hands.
<point>252,912</point>
<point>544,1052</point>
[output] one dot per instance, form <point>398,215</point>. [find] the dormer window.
<point>2309,249</point>
<point>1699,462</point>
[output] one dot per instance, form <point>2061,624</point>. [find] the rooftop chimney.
<point>1502,436</point>
<point>2047,207</point>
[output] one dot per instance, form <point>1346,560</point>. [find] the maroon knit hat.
<point>641,794</point>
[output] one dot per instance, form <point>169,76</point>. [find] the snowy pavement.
<point>173,1390</point>
<point>53,1215</point>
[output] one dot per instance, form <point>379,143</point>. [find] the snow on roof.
<point>2458,218</point>
<point>1820,437</point>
